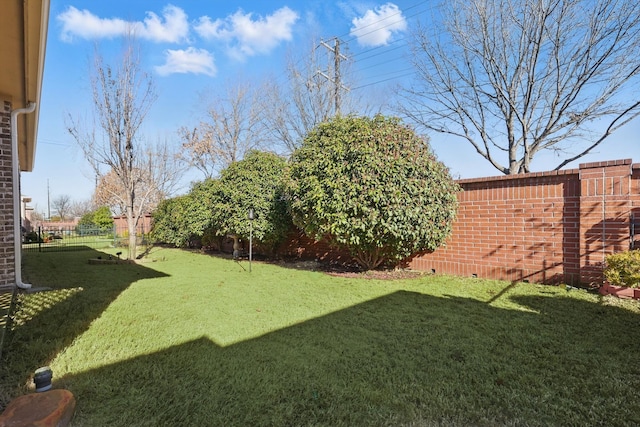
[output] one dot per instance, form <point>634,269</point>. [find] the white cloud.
<point>192,60</point>
<point>377,26</point>
<point>172,27</point>
<point>83,23</point>
<point>175,27</point>
<point>248,37</point>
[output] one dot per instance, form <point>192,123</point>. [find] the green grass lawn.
<point>196,340</point>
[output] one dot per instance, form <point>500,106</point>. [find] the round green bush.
<point>373,187</point>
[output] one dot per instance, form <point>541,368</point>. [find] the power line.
<point>383,80</point>
<point>386,60</point>
<point>338,57</point>
<point>53,142</point>
<point>404,70</point>
<point>385,18</point>
<point>363,52</point>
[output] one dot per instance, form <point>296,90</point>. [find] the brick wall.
<point>635,206</point>
<point>298,245</point>
<point>7,252</point>
<point>549,227</point>
<point>546,227</point>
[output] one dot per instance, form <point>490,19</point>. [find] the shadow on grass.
<point>47,322</point>
<point>402,359</point>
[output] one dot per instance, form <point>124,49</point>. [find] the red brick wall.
<point>547,227</point>
<point>7,251</point>
<point>605,210</point>
<point>635,205</point>
<point>298,245</point>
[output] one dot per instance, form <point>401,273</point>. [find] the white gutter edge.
<point>17,217</point>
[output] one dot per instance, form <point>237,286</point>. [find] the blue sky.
<point>194,46</point>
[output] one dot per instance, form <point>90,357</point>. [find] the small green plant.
<point>623,269</point>
<point>32,237</point>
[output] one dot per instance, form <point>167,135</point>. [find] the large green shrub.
<point>373,187</point>
<point>169,222</point>
<point>216,208</point>
<point>202,199</point>
<point>623,269</point>
<point>256,182</point>
<point>183,220</point>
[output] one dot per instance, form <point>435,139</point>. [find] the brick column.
<point>604,215</point>
<point>7,252</point>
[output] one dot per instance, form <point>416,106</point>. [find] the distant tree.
<point>373,187</point>
<point>62,206</point>
<point>306,98</point>
<point>103,218</point>
<point>80,208</point>
<point>100,218</point>
<point>109,192</point>
<point>199,151</point>
<point>517,77</point>
<point>231,128</point>
<point>37,214</point>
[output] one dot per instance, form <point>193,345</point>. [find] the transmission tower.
<point>336,80</point>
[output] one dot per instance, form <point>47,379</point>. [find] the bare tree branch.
<point>62,206</point>
<point>515,77</point>
<point>232,127</point>
<point>305,99</point>
<point>122,97</point>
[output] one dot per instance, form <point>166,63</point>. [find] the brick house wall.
<point>7,251</point>
<point>550,227</point>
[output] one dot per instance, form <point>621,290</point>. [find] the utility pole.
<point>337,78</point>
<point>48,203</point>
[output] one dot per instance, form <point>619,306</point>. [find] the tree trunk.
<point>131,227</point>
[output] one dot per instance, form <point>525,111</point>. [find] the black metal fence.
<point>73,238</point>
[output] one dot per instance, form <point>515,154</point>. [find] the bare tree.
<point>62,206</point>
<point>308,96</point>
<point>37,215</point>
<point>199,151</point>
<point>156,175</point>
<point>232,127</point>
<point>515,77</point>
<point>122,97</point>
<point>81,207</point>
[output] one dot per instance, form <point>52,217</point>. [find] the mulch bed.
<point>379,274</point>
<point>353,271</point>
